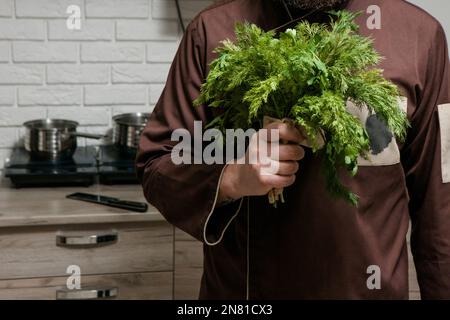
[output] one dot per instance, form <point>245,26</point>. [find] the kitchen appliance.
<point>50,156</point>
<point>127,130</point>
<point>109,201</point>
<point>53,139</point>
<point>25,171</point>
<point>116,166</point>
<point>88,165</point>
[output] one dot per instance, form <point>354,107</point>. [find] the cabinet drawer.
<point>188,253</point>
<point>151,285</point>
<point>33,251</point>
<point>188,266</point>
<point>187,283</point>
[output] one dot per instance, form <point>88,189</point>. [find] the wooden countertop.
<point>49,206</point>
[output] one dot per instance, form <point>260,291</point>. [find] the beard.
<point>312,4</point>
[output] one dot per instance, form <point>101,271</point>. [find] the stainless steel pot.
<point>127,130</point>
<point>53,139</point>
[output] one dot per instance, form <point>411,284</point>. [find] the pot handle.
<point>87,135</point>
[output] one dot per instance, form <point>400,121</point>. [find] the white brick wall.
<point>44,52</point>
<point>117,8</point>
<point>7,95</point>
<point>49,95</point>
<point>136,73</point>
<point>4,51</point>
<point>5,8</point>
<point>21,74</point>
<point>90,30</point>
<point>112,52</point>
<point>114,95</point>
<point>118,62</point>
<point>147,30</point>
<point>77,73</point>
<point>22,29</point>
<point>166,9</point>
<point>43,8</point>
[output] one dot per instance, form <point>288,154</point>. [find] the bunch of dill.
<point>306,74</point>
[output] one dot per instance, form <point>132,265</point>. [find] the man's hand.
<point>250,179</point>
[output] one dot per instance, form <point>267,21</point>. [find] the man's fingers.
<point>290,133</point>
<point>289,152</point>
<point>287,168</point>
<point>286,132</point>
<point>277,181</point>
<point>282,168</point>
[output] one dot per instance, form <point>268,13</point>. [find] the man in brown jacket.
<point>313,246</point>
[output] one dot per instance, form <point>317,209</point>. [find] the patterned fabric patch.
<point>383,146</point>
<point>444,123</point>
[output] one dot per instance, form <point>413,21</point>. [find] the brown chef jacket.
<point>316,246</point>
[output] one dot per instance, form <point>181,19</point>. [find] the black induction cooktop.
<point>116,166</point>
<point>24,171</point>
<point>89,165</point>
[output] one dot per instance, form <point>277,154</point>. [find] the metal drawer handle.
<point>87,240</point>
<point>86,294</point>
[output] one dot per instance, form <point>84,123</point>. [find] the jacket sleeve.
<point>185,194</point>
<point>426,159</point>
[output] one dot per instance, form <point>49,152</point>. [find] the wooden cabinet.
<point>42,233</point>
<point>33,252</point>
<point>133,259</point>
<point>188,266</point>
<point>148,285</point>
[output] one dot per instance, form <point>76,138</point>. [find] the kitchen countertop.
<point>49,206</point>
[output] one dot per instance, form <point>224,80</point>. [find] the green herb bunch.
<point>306,74</point>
